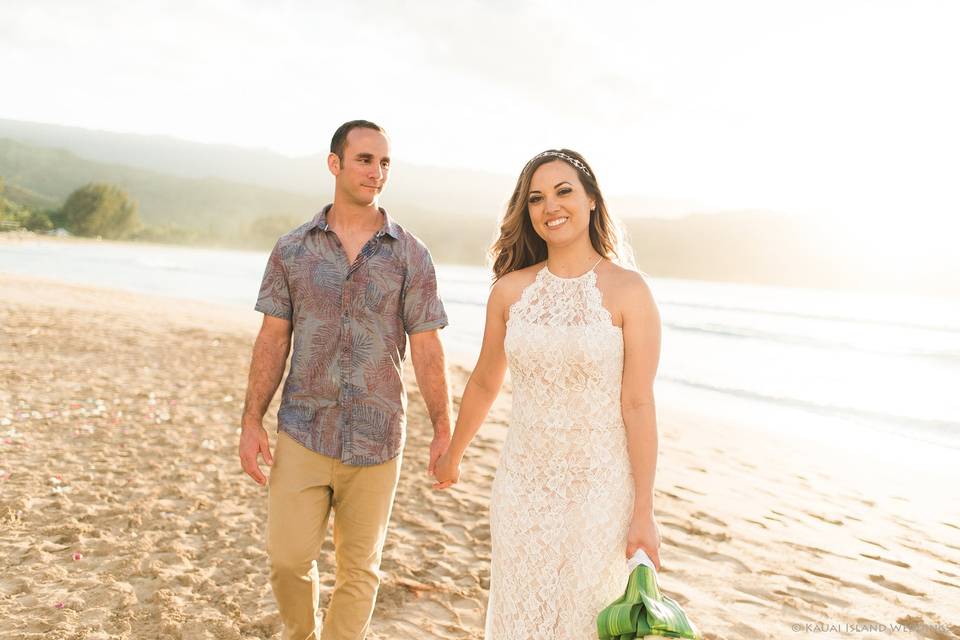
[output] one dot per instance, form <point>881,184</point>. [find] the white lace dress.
<point>563,493</point>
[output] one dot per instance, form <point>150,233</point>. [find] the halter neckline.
<point>574,278</point>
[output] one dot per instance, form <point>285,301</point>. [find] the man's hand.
<point>438,447</point>
<point>426,350</point>
<point>253,442</point>
<point>266,369</point>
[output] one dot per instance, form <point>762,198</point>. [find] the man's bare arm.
<point>266,370</point>
<point>429,365</point>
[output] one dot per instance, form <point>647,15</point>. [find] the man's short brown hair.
<point>339,141</point>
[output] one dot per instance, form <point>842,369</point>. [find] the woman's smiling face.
<point>558,204</point>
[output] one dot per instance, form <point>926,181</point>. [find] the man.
<point>348,286</point>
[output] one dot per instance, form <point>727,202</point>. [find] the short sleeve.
<point>274,298</point>
<point>422,308</point>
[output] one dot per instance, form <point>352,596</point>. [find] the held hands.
<point>644,533</point>
<point>438,446</point>
<point>446,471</point>
<point>254,441</point>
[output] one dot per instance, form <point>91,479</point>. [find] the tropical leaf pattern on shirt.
<point>344,392</point>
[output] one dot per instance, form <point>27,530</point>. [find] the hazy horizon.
<point>662,82</point>
<point>838,111</point>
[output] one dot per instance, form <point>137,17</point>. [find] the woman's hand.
<point>446,471</point>
<point>644,533</point>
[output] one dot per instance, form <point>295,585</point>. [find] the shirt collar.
<point>389,228</point>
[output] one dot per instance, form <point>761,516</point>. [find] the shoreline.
<point>23,236</point>
<point>918,291</point>
<point>119,445</point>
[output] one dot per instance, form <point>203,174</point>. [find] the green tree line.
<point>93,210</point>
<point>103,210</point>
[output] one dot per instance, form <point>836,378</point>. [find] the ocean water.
<point>851,367</point>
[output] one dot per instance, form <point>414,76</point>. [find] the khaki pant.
<point>304,485</point>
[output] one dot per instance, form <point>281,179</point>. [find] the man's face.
<point>363,172</point>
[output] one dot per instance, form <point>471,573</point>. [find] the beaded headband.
<point>559,154</point>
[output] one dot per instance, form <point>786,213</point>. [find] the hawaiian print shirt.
<point>344,395</point>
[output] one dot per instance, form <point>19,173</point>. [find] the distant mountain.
<point>25,197</point>
<point>444,191</point>
<point>175,157</point>
<point>424,189</point>
<point>49,175</point>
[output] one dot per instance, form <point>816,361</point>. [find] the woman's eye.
<point>564,192</point>
<point>534,199</point>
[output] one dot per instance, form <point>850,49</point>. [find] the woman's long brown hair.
<point>519,246</point>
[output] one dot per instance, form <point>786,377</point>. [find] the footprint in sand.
<point>817,551</point>
<point>815,598</point>
<point>896,563</point>
<point>466,604</point>
<point>785,515</point>
<point>670,495</point>
<point>930,554</point>
<point>876,544</point>
<point>846,583</point>
<point>456,532</point>
<point>743,630</point>
<point>481,532</point>
<point>762,596</point>
<point>689,490</point>
<point>711,555</point>
<point>947,584</point>
<point>827,519</point>
<point>895,586</point>
<point>694,530</point>
<point>756,603</point>
<point>700,515</point>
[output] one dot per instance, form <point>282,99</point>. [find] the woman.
<point>573,494</point>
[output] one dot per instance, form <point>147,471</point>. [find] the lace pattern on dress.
<point>563,493</point>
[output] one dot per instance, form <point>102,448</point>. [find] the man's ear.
<point>333,164</point>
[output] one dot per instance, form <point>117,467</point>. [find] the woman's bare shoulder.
<point>509,288</point>
<point>516,281</point>
<point>628,286</point>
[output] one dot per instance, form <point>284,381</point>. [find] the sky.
<point>843,109</point>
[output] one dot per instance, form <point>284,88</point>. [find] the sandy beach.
<point>124,512</point>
